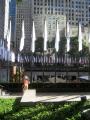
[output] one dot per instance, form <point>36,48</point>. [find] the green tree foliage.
<point>10,109</point>
<point>62,46</point>
<point>18,1</point>
<point>74,47</point>
<point>39,45</point>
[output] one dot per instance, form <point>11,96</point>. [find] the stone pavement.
<point>13,95</point>
<point>30,96</point>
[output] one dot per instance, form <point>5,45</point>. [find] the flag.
<point>68,37</point>
<point>12,56</point>
<point>9,37</point>
<point>18,57</point>
<point>1,43</point>
<point>80,37</point>
<point>33,38</point>
<point>22,37</point>
<point>45,36</point>
<point>2,49</point>
<point>57,39</point>
<point>5,54</point>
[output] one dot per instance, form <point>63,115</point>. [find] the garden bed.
<point>10,109</point>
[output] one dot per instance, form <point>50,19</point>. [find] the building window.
<point>45,10</point>
<point>40,10</point>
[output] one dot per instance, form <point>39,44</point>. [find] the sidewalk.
<point>13,95</point>
<point>53,97</point>
<point>47,97</point>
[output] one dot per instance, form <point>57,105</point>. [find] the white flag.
<point>9,37</point>
<point>6,21</point>
<point>22,37</point>
<point>68,37</point>
<point>2,49</point>
<point>12,56</point>
<point>18,57</point>
<point>5,54</point>
<point>33,38</point>
<point>57,39</point>
<point>80,37</point>
<point>45,36</point>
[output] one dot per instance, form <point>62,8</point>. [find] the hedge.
<point>10,109</point>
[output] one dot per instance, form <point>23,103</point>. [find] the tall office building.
<point>25,10</point>
<point>23,13</point>
<point>2,11</point>
<point>12,15</point>
<point>7,12</point>
<point>53,10</point>
<point>75,10</point>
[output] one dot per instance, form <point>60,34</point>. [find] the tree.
<point>18,1</point>
<point>73,47</point>
<point>39,44</point>
<point>62,46</point>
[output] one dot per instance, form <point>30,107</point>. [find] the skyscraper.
<point>2,11</point>
<point>53,10</point>
<point>23,13</point>
<point>12,14</point>
<point>75,10</point>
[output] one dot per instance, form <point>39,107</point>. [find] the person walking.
<point>26,83</point>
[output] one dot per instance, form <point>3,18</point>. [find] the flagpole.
<point>57,40</point>
<point>43,63</point>
<point>89,51</point>
<point>33,46</point>
<point>55,65</point>
<point>89,63</point>
<point>8,48</point>
<point>80,43</point>
<point>45,36</point>
<point>21,46</point>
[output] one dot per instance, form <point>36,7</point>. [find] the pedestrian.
<point>26,83</point>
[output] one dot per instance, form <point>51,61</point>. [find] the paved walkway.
<point>15,95</point>
<point>29,96</point>
<point>53,97</point>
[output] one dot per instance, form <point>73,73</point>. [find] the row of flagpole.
<point>45,36</point>
<point>57,37</point>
